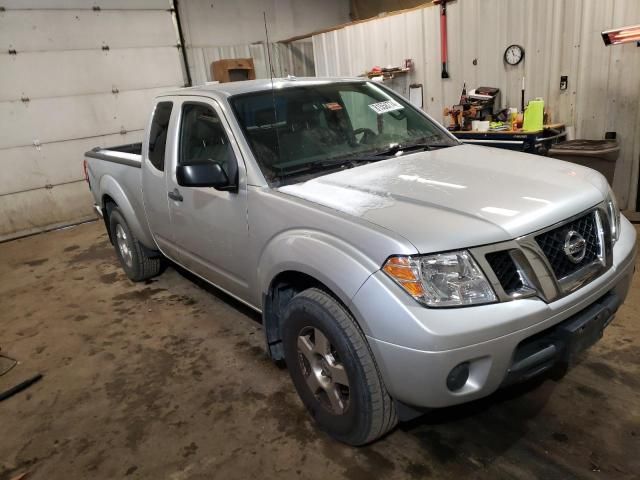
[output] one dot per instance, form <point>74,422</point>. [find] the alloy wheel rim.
<point>323,371</point>
<point>123,246</point>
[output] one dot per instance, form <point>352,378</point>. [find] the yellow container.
<point>534,115</point>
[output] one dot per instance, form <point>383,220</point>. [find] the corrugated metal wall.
<point>294,58</point>
<point>222,30</point>
<point>63,92</point>
<point>560,37</point>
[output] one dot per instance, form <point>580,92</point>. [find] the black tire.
<point>368,410</point>
<point>138,266</point>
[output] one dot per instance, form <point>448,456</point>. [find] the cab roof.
<point>248,86</point>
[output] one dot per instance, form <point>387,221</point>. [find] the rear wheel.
<point>333,369</point>
<point>135,262</point>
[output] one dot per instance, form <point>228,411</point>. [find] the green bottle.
<point>534,115</point>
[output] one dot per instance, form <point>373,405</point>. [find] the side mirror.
<point>203,174</point>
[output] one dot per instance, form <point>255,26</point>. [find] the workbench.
<point>537,142</point>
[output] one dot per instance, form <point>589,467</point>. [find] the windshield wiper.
<point>370,156</point>
<point>399,147</point>
<point>324,165</point>
<point>349,159</point>
<point>353,159</point>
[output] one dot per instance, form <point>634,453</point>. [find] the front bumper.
<point>416,347</point>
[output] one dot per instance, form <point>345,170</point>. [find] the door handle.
<point>175,195</point>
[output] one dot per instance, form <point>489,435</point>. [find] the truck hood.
<point>460,196</point>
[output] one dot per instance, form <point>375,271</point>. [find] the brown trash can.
<point>601,155</point>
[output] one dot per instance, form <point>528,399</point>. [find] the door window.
<point>158,134</point>
<point>203,139</point>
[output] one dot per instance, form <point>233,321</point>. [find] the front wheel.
<point>135,262</point>
<point>333,369</point>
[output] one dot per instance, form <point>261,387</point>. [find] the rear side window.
<point>158,134</point>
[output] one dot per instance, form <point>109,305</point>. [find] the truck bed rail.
<point>130,154</point>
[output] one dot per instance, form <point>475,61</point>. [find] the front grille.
<point>552,244</point>
<point>505,269</point>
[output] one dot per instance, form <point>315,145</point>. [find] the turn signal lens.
<point>406,272</point>
<point>414,288</point>
<point>400,269</point>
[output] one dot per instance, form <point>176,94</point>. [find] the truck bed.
<point>116,172</point>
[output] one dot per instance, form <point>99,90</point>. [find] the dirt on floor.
<point>169,379</point>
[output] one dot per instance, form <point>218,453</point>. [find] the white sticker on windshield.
<point>386,106</point>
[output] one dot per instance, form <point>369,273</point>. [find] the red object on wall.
<point>443,36</point>
<point>621,35</point>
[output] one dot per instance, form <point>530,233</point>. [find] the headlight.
<point>441,280</point>
<point>614,215</point>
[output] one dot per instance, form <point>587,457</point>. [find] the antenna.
<point>273,92</point>
<point>266,34</point>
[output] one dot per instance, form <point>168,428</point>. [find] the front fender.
<point>340,266</point>
<point>109,186</point>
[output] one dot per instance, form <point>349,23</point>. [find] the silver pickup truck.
<point>395,268</point>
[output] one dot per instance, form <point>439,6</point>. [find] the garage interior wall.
<point>363,9</point>
<point>560,37</point>
<point>75,75</point>
<point>218,30</point>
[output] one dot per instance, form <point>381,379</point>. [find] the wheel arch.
<point>283,287</point>
<point>112,193</point>
<point>298,259</point>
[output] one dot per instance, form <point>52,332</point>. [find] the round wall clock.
<point>514,54</point>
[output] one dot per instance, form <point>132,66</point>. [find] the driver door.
<point>210,226</point>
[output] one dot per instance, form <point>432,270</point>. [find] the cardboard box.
<point>233,70</point>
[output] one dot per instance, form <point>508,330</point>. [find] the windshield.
<point>318,128</point>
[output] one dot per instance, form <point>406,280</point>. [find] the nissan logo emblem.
<point>575,246</point>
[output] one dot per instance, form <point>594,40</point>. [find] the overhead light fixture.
<point>621,35</point>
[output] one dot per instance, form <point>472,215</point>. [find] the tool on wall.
<point>443,36</point>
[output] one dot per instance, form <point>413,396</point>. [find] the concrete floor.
<point>168,379</point>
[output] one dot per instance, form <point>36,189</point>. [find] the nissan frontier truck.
<point>396,269</point>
